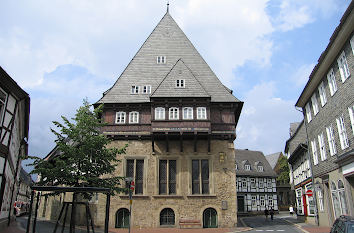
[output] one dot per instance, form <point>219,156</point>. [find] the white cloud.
<point>265,120</point>
<point>302,74</point>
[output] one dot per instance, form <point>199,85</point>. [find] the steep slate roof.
<point>293,127</point>
<point>25,177</point>
<point>167,87</point>
<point>252,157</point>
<point>273,159</point>
<point>167,39</point>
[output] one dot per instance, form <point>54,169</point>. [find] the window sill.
<point>167,196</point>
<point>134,196</point>
<point>202,195</point>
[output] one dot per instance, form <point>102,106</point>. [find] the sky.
<point>63,51</point>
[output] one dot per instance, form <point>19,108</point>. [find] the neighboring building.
<point>14,123</point>
<point>284,193</point>
<point>179,122</point>
<point>327,102</point>
<point>300,171</point>
<point>256,183</point>
<point>24,191</point>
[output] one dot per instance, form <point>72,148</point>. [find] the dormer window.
<point>260,168</point>
<point>180,83</point>
<point>173,113</point>
<point>188,113</point>
<point>120,117</point>
<point>159,113</point>
<point>147,89</point>
<point>135,90</point>
<point>247,167</point>
<point>161,60</point>
<point>133,117</point>
<point>201,113</point>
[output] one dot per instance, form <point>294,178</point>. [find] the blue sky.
<point>61,52</point>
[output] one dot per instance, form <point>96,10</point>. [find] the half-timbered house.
<point>14,124</point>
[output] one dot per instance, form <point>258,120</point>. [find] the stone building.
<point>24,190</point>
<point>300,171</point>
<point>327,102</point>
<point>256,183</point>
<point>179,122</point>
<point>284,193</point>
<point>14,124</point>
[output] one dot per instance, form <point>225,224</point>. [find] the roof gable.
<point>192,87</point>
<point>167,39</point>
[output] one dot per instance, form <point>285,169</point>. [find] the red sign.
<point>132,185</point>
<point>309,193</point>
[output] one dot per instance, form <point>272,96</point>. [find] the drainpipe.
<point>311,168</point>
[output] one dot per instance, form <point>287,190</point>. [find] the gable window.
<point>147,89</point>
<point>322,92</point>
<point>120,117</point>
<point>159,113</point>
<point>2,104</point>
<point>331,142</point>
<point>167,177</point>
<point>260,168</point>
<point>200,176</point>
<point>308,112</point>
<point>322,147</point>
<point>343,67</point>
<point>351,115</point>
<point>247,167</point>
<point>161,59</point>
<point>201,113</point>
<point>173,113</point>
<point>135,170</point>
<point>180,83</point>
<point>134,117</point>
<point>332,82</point>
<point>342,133</point>
<point>314,152</point>
<point>314,104</point>
<point>187,113</point>
<point>135,90</point>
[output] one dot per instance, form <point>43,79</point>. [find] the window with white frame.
<point>253,182</point>
<point>159,113</point>
<point>180,83</point>
<point>320,200</point>
<point>321,143</point>
<point>331,141</point>
<point>322,92</point>
<point>314,104</point>
<point>352,43</point>
<point>120,117</point>
<point>308,112</point>
<point>351,115</point>
<point>270,201</point>
<point>332,82</point>
<point>133,117</point>
<point>261,200</point>
<point>173,113</point>
<point>147,89</point>
<point>269,183</point>
<point>254,201</point>
<point>247,167</point>
<point>314,152</point>
<point>310,201</point>
<point>343,67</point>
<point>344,143</point>
<point>260,168</point>
<point>244,183</point>
<point>187,113</point>
<point>135,90</point>
<point>161,59</point>
<point>201,113</point>
<point>261,183</point>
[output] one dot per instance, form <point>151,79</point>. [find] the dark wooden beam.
<point>181,142</point>
<point>195,142</point>
<point>209,136</point>
<point>167,147</point>
<point>153,143</point>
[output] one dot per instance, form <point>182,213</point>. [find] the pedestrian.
<point>266,212</point>
<point>271,213</point>
<point>291,210</point>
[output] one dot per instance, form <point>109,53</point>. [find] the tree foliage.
<point>82,158</point>
<point>282,169</point>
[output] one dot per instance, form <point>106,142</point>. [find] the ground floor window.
<point>167,217</point>
<point>320,200</point>
<point>210,218</point>
<point>310,201</point>
<point>339,199</point>
<point>299,203</point>
<point>122,218</point>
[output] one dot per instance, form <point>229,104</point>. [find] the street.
<point>261,224</point>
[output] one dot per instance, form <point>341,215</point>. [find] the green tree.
<point>82,158</point>
<point>282,169</point>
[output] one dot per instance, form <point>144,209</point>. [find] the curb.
<point>246,228</point>
<point>297,225</point>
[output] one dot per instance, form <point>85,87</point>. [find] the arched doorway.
<point>210,218</point>
<point>122,218</point>
<point>167,217</point>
